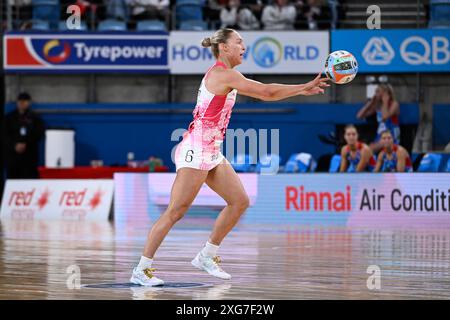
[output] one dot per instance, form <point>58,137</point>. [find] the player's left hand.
<point>316,86</point>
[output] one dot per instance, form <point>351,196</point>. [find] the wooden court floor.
<point>48,259</point>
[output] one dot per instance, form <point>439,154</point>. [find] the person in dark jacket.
<point>22,131</point>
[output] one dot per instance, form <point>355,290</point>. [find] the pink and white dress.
<point>201,144</point>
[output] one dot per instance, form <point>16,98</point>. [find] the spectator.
<point>312,14</point>
<point>355,155</point>
<point>229,13</point>
<point>280,16</point>
<point>118,9</point>
<point>387,109</point>
<point>211,11</point>
<point>237,17</point>
<point>21,11</point>
<point>23,130</point>
<point>150,9</point>
<point>393,157</point>
<point>255,6</point>
<point>333,5</point>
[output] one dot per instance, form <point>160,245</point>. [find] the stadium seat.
<point>300,162</point>
<point>243,163</point>
<point>335,163</point>
<point>269,164</point>
<point>112,25</point>
<point>47,10</point>
<point>151,25</point>
<point>447,167</point>
<point>193,25</point>
<point>40,25</point>
<point>430,163</point>
<point>188,10</point>
<point>439,14</point>
<point>62,26</point>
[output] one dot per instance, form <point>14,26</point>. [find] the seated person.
<point>279,16</point>
<point>150,9</point>
<point>355,155</point>
<point>255,6</point>
<point>313,13</point>
<point>238,17</point>
<point>393,157</point>
<point>387,109</point>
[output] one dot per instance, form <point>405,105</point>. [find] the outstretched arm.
<point>233,79</point>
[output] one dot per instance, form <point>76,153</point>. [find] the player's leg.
<point>226,183</point>
<point>223,180</point>
<point>184,190</point>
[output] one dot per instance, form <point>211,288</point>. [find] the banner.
<point>290,52</point>
<point>359,200</point>
<point>383,51</point>
<point>160,186</point>
<point>57,199</point>
<point>86,52</point>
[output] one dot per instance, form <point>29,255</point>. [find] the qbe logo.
<point>414,50</point>
<point>378,51</point>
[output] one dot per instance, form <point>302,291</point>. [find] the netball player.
<point>393,157</point>
<point>198,155</point>
<point>355,155</point>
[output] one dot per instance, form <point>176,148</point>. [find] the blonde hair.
<point>220,36</point>
<point>390,90</point>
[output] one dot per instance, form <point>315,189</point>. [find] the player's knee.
<point>176,212</point>
<point>241,203</point>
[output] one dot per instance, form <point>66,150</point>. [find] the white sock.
<point>210,250</point>
<point>145,263</point>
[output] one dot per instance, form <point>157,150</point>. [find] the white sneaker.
<point>210,265</point>
<point>145,277</point>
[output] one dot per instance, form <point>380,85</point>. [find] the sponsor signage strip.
<point>60,52</point>
<point>409,50</point>
<point>180,52</point>
<point>57,199</point>
<point>289,52</point>
<point>396,199</point>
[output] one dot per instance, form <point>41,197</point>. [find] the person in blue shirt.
<point>355,155</point>
<point>393,157</point>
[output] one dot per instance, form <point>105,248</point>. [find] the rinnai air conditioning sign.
<point>409,50</point>
<point>57,199</point>
<point>60,52</point>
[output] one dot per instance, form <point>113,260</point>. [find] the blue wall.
<point>441,127</point>
<point>110,137</point>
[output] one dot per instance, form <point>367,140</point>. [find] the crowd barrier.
<point>180,52</point>
<point>355,200</point>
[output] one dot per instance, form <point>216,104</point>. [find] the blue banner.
<point>87,52</point>
<point>384,51</point>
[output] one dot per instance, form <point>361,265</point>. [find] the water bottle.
<point>131,163</point>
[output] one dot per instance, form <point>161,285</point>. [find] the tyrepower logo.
<point>299,199</point>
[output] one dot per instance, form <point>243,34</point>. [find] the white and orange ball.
<point>341,67</point>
